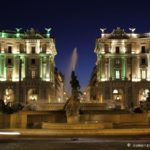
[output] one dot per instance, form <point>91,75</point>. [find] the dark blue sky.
<point>75,23</point>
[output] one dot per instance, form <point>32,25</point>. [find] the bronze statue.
<point>74,84</point>
<point>72,106</point>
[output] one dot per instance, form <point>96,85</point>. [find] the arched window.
<point>32,95</point>
<point>143,94</point>
<point>8,96</point>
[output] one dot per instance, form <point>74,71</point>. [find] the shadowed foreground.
<point>101,143</point>
<point>77,139</point>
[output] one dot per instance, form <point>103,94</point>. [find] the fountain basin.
<point>77,126</point>
<point>73,119</point>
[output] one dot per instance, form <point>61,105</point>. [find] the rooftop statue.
<point>132,29</point>
<point>48,30</point>
<point>102,30</point>
<point>33,34</point>
<point>18,30</point>
<point>118,34</point>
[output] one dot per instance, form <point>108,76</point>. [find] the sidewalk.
<point>22,133</point>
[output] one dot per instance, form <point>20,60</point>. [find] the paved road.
<point>77,143</point>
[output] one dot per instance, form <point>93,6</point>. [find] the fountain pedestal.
<point>73,119</point>
<point>72,106</point>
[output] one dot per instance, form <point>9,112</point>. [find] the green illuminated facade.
<point>27,66</point>
<point>122,68</point>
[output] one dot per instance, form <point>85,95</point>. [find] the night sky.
<point>75,23</point>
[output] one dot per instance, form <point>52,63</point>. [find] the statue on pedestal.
<point>148,101</point>
<point>72,106</point>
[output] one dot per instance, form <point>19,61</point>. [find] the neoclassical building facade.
<point>122,67</point>
<point>27,66</point>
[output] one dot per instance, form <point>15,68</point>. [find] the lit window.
<point>129,48</point>
<point>33,73</point>
<point>9,61</point>
<point>143,61</point>
<point>117,74</point>
<point>33,61</point>
<point>106,47</point>
<point>33,50</point>
<point>9,74</point>
<point>21,48</point>
<point>144,95</point>
<point>143,49</point>
<point>143,74</point>
<point>115,91</point>
<point>117,49</point>
<point>9,49</point>
<point>117,61</point>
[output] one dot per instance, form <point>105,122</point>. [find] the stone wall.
<point>34,119</point>
<point>30,119</point>
<point>116,118</point>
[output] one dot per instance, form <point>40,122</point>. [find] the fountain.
<point>74,59</point>
<point>75,120</point>
<point>72,106</point>
<point>71,67</point>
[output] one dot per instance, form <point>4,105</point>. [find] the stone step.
<point>132,124</point>
<point>83,126</point>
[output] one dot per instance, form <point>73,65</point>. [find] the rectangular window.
<point>143,61</point>
<point>9,74</point>
<point>129,48</point>
<point>143,74</point>
<point>44,47</point>
<point>33,73</point>
<point>106,47</point>
<point>21,48</point>
<point>117,74</point>
<point>9,49</point>
<point>33,61</point>
<point>9,61</point>
<point>117,61</point>
<point>117,49</point>
<point>33,50</point>
<point>143,49</point>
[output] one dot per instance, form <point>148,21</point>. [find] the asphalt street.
<point>77,143</point>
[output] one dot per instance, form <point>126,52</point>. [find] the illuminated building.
<point>123,67</point>
<point>59,86</point>
<point>27,66</point>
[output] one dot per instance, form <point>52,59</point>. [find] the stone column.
<point>41,67</point>
<point>44,69</point>
<point>135,93</point>
<point>112,69</point>
<point>108,68</point>
<point>51,69</point>
<point>123,71</point>
<point>98,67</point>
<point>16,67</point>
<point>23,62</point>
<point>4,66</point>
<point>135,67</point>
<point>138,68</point>
<point>1,66</point>
<point>23,119</point>
<point>103,67</point>
<point>48,68</point>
